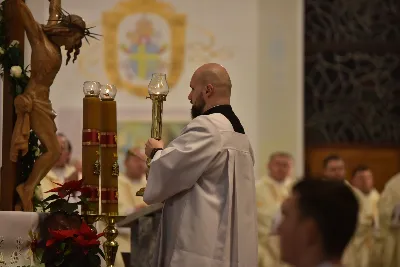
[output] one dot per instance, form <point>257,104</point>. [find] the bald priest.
<point>205,178</point>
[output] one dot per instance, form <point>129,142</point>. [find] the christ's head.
<point>68,32</point>
<point>210,86</point>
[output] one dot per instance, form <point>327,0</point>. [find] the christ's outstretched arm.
<point>32,28</point>
<point>55,12</point>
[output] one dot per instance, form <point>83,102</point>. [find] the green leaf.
<point>67,252</point>
<point>57,205</point>
<point>18,90</point>
<point>59,262</point>
<point>101,253</point>
<point>84,200</point>
<point>39,254</point>
<point>69,207</point>
<point>94,260</point>
<point>51,197</point>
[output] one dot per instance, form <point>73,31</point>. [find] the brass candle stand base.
<point>110,246</point>
<point>91,219</point>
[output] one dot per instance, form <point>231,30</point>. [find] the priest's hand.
<point>153,144</point>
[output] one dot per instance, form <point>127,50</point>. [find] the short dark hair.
<point>69,145</point>
<point>330,158</point>
<point>280,154</point>
<point>334,208</point>
<point>129,154</point>
<point>359,168</point>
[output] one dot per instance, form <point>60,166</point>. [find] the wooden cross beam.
<point>8,174</point>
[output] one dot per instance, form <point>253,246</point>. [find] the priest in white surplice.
<point>389,215</point>
<point>360,252</point>
<point>363,180</point>
<point>271,191</point>
<point>205,178</point>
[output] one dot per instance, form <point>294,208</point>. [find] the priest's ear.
<point>312,235</point>
<point>209,90</point>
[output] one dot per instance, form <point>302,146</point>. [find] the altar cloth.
<point>15,239</point>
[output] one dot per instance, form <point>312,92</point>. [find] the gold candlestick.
<point>90,146</point>
<point>158,90</point>
<point>110,246</point>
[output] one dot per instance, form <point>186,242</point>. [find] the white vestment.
<point>270,196</point>
<point>206,179</point>
<point>390,226</point>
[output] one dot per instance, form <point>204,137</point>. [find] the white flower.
<point>1,51</point>
<point>16,71</point>
<point>14,43</point>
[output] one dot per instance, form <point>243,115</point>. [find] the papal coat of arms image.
<point>141,38</point>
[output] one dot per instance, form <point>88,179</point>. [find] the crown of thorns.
<point>67,19</point>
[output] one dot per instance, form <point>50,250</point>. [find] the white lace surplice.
<point>14,237</point>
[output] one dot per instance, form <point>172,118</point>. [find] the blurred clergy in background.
<point>131,181</point>
<point>389,217</point>
<point>363,180</point>
<point>361,250</point>
<point>271,191</point>
<point>61,172</point>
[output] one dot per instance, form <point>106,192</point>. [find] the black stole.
<point>227,111</point>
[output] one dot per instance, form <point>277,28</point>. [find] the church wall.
<point>244,38</point>
<point>281,81</point>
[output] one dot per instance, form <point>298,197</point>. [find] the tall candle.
<point>108,152</point>
<point>90,146</point>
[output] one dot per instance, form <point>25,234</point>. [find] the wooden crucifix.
<point>14,31</point>
<point>33,107</point>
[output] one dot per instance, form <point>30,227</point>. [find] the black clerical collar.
<point>227,111</point>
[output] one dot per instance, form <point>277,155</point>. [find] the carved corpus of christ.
<point>33,107</point>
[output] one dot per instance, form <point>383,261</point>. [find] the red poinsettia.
<point>80,240</point>
<point>60,235</point>
<point>84,236</point>
<point>67,188</point>
<point>86,192</point>
<point>87,232</point>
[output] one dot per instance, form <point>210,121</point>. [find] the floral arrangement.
<point>66,239</point>
<point>11,62</point>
